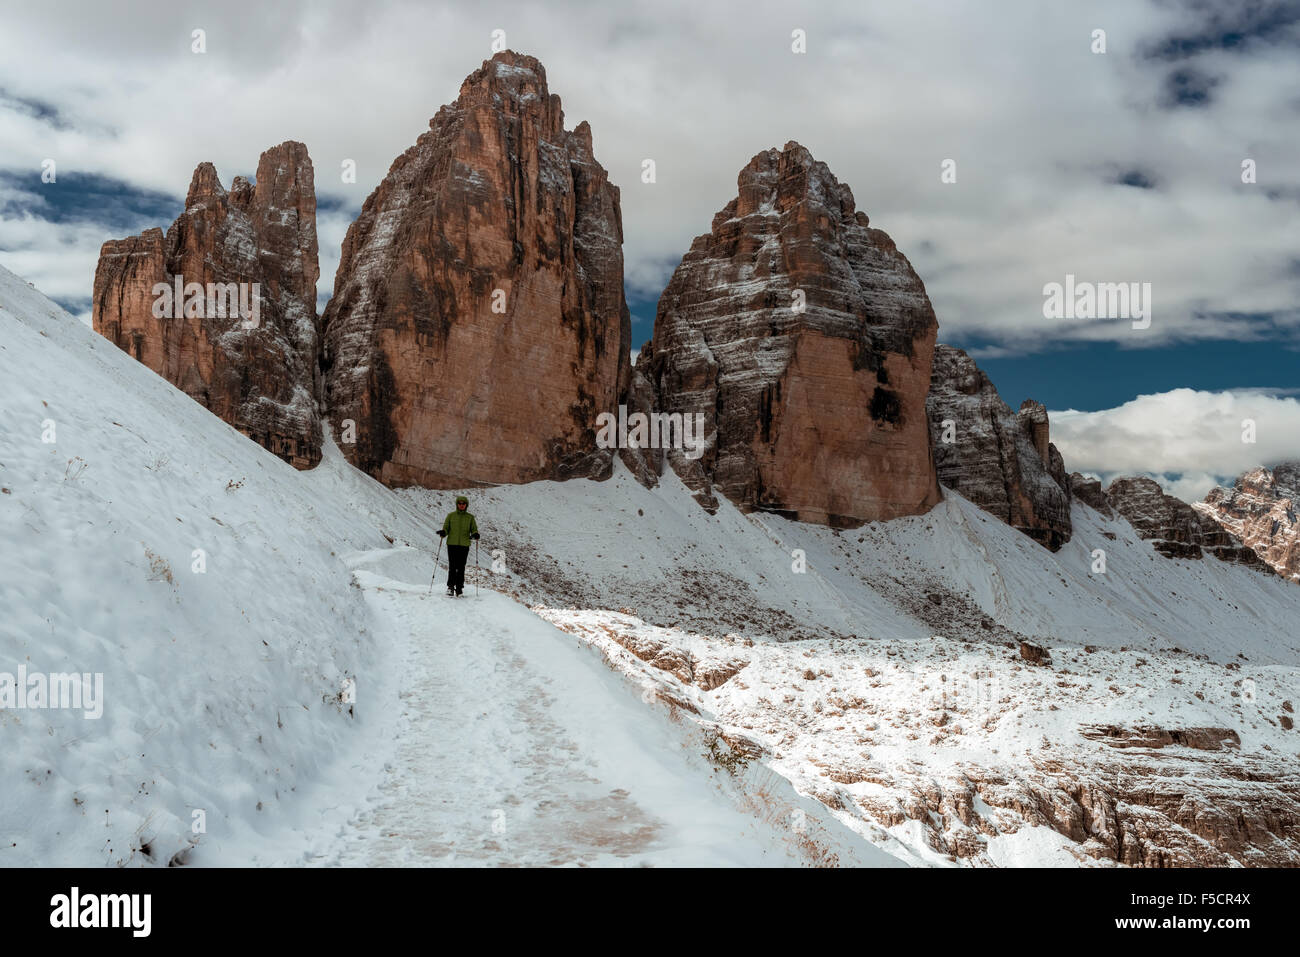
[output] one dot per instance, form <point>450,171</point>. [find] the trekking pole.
<point>476,568</point>
<point>434,577</point>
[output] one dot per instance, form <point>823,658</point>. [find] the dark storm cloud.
<point>77,197</point>
<point>1188,86</point>
<point>1136,178</point>
<point>1234,26</point>
<point>38,110</point>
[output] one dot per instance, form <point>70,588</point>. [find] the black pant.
<point>457,555</point>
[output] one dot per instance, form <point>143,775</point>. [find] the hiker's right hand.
<point>441,533</point>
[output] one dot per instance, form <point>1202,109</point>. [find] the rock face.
<point>255,365</point>
<point>803,338</point>
<point>1261,509</point>
<point>1088,491</point>
<point>1175,528</point>
<point>645,462</point>
<point>998,459</point>
<point>478,325</point>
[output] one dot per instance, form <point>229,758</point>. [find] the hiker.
<point>459,528</point>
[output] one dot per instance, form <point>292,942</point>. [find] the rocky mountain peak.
<point>1262,509</point>
<point>1033,422</point>
<point>1088,490</point>
<point>490,256</point>
<point>782,179</point>
<point>246,346</point>
<point>1001,460</point>
<point>507,71</point>
<point>1175,528</point>
<point>509,84</point>
<point>205,187</point>
<point>1286,480</point>
<point>802,339</point>
<point>1280,481</point>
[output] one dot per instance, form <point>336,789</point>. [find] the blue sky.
<point>1122,166</point>
<point>1094,376</point>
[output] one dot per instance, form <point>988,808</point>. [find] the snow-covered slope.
<point>686,688</point>
<point>254,687</point>
<point>954,568</point>
<point>885,677</point>
<point>519,745</point>
<point>148,541</point>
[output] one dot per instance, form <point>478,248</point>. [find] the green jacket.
<point>459,526</point>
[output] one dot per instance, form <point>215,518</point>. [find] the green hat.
<point>461,498</point>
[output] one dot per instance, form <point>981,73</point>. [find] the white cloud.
<point>331,227</point>
<point>1196,436</point>
<point>58,259</point>
<point>1193,488</point>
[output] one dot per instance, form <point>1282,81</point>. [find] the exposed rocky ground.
<point>962,752</point>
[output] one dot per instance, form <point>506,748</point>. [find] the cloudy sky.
<point>1122,166</point>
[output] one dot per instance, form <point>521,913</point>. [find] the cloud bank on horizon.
<point>1190,441</point>
<point>1117,167</point>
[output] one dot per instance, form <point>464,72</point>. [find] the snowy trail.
<point>518,746</point>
